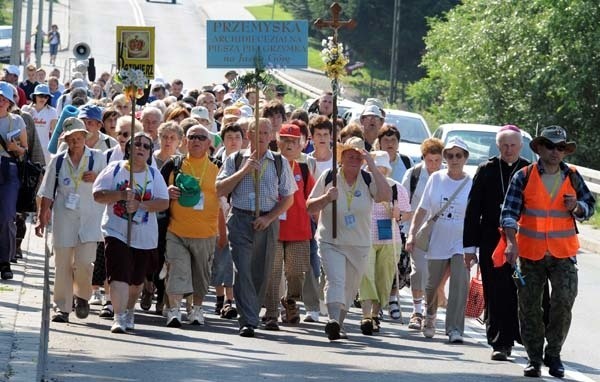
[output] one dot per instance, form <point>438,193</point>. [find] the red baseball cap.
<point>289,130</point>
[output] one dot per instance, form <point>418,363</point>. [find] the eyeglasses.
<point>124,134</point>
<point>451,156</point>
<point>146,146</point>
<point>199,137</point>
<point>551,146</point>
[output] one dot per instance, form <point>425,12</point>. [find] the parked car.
<point>412,126</point>
<point>5,43</point>
<point>481,140</point>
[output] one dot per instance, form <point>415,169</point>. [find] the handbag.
<point>475,300</point>
<point>423,235</point>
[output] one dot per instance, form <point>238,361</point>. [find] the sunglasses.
<point>124,134</point>
<point>199,137</point>
<point>551,146</point>
<point>451,156</point>
<point>146,146</point>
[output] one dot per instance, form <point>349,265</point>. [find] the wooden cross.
<point>335,23</point>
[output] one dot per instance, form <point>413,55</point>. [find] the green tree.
<point>531,63</point>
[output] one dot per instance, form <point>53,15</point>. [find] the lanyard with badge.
<point>138,216</point>
<point>200,205</point>
<point>349,218</point>
<point>73,198</point>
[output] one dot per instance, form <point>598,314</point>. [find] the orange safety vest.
<point>545,224</point>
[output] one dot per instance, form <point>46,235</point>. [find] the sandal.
<point>394,309</point>
<point>229,311</point>
<point>146,300</point>
<point>416,321</point>
<point>107,310</point>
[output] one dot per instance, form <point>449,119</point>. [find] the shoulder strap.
<point>109,154</point>
<point>414,179</point>
<point>59,162</point>
<point>528,171</point>
<point>116,170</point>
<point>394,193</point>
<point>406,161</point>
<point>177,162</point>
<point>278,164</point>
<point>107,141</point>
<point>366,177</point>
<point>91,161</point>
<point>450,200</point>
<point>304,171</point>
<point>237,160</point>
<point>328,177</point>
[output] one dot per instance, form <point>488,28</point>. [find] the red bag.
<point>475,300</point>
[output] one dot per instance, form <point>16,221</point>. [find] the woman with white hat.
<point>445,196</point>
<point>13,145</point>
<point>44,115</point>
<point>345,256</point>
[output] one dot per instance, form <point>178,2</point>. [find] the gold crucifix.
<point>335,23</point>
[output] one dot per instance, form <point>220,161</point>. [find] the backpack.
<point>59,162</point>
<point>367,178</point>
<point>405,160</point>
<point>278,162</point>
<point>304,170</point>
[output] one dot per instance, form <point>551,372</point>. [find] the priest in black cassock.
<point>482,220</point>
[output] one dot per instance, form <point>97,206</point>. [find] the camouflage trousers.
<point>562,275</point>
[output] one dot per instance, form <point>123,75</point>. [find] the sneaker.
<point>196,317</point>
<point>119,323</point>
<point>454,337</point>
<point>500,354</point>
<point>247,331</point>
<point>533,369</point>
<point>62,317</point>
<point>82,308</point>
<point>129,319</point>
<point>429,327</point>
<point>174,318</point>
<point>311,316</point>
<point>292,312</point>
<point>366,326</point>
<point>271,324</point>
<point>555,366</point>
<point>229,311</point>
<point>332,328</point>
<point>343,334</point>
<point>416,321</point>
<point>394,310</point>
<point>107,310</point>
<point>96,298</point>
<point>5,271</point>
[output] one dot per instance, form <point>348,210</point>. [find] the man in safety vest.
<point>538,217</point>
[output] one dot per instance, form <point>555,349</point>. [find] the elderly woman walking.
<point>345,257</point>
<point>66,194</point>
<point>127,266</point>
<point>445,196</point>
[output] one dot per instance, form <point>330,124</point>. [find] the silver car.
<point>5,42</point>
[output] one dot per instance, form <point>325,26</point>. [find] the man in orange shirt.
<point>192,230</point>
<point>293,246</point>
<point>538,217</point>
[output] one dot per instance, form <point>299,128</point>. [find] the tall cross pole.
<point>335,23</point>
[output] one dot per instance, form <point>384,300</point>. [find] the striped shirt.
<point>270,187</point>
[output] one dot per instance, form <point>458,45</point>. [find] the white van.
<point>5,42</point>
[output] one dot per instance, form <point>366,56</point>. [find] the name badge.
<point>384,229</point>
<point>283,216</point>
<point>251,198</point>
<point>200,205</point>
<point>138,217</point>
<point>350,220</point>
<point>72,201</point>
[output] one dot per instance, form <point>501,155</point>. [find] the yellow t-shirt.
<point>190,222</point>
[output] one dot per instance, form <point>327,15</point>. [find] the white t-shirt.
<point>447,234</point>
<point>42,120</point>
<point>144,233</point>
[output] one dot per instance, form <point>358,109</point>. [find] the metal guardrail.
<point>592,179</point>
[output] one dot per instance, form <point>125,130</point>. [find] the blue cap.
<point>6,90</point>
<point>90,112</point>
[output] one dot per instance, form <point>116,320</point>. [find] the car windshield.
<point>482,145</point>
<point>5,33</point>
<point>411,129</point>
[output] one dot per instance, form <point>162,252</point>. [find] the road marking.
<point>139,20</point>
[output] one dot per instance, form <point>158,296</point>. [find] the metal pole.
<point>39,36</point>
<point>394,55</point>
<point>28,32</point>
<point>50,11</point>
<point>15,50</point>
<point>273,11</point>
